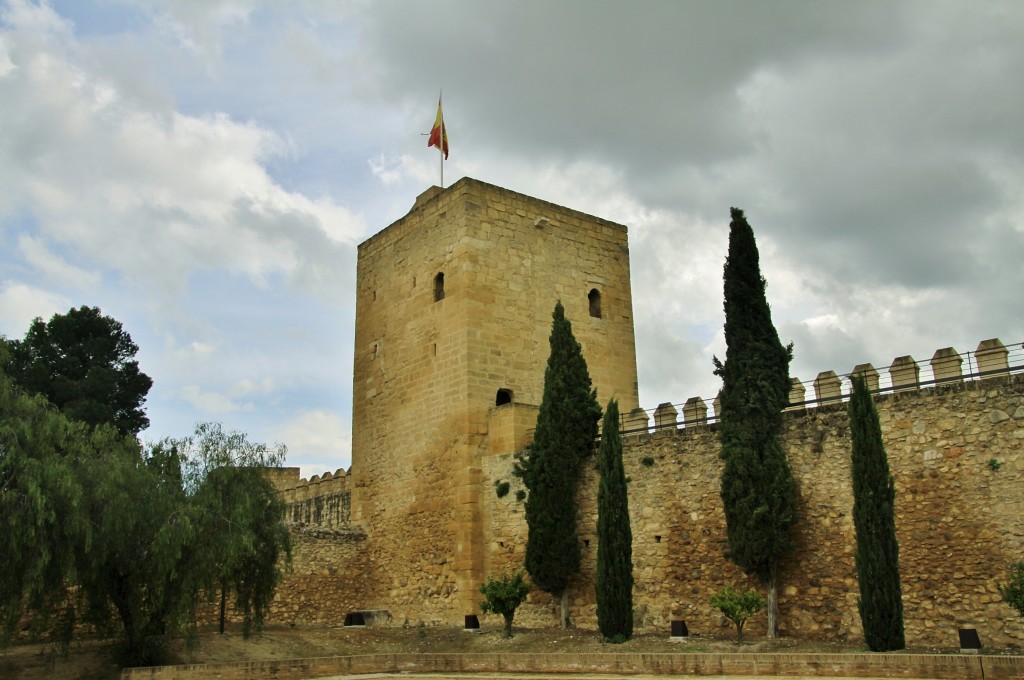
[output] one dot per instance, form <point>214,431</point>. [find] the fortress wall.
<point>958,520</point>
<point>327,580</point>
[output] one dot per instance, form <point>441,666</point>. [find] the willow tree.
<point>758,490</point>
<point>874,519</point>
<point>563,439</point>
<point>614,580</point>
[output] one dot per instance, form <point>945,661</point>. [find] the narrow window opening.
<point>595,303</point>
<point>657,539</point>
<point>439,286</point>
<point>503,397</point>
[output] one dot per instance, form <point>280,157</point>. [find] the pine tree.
<point>758,490</point>
<point>878,552</point>
<point>84,363</point>
<point>614,582</point>
<point>564,437</point>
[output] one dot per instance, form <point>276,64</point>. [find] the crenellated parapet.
<point>321,502</point>
<point>904,374</point>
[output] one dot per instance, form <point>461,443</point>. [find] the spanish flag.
<point>438,134</point>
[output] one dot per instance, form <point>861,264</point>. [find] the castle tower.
<point>453,314</point>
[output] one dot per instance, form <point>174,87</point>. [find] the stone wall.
<point>453,314</point>
<point>330,563</point>
<point>955,452</point>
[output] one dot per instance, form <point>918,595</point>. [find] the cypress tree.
<point>564,437</point>
<point>758,491</point>
<point>614,537</point>
<point>878,552</point>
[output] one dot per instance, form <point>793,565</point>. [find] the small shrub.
<point>503,596</point>
<point>501,488</point>
<point>520,495</point>
<point>647,461</point>
<point>738,606</point>
<point>994,465</point>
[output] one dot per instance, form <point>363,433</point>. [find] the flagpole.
<point>440,147</point>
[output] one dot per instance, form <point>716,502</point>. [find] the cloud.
<point>20,304</point>
<point>317,440</point>
<point>213,403</point>
<point>53,266</point>
<point>152,193</point>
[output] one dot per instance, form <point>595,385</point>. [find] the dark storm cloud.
<point>863,136</point>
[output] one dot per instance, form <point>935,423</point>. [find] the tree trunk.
<point>565,609</point>
<point>508,626</point>
<point>773,603</point>
<point>223,604</point>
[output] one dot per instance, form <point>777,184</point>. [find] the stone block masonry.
<point>959,520</point>
<point>453,314</point>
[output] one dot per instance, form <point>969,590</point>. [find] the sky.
<point>203,171</point>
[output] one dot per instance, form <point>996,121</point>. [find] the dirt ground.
<point>92,660</point>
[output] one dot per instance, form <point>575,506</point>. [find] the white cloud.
<point>316,440</point>
<point>212,403</point>
<point>20,304</point>
<point>53,266</point>
<point>153,193</point>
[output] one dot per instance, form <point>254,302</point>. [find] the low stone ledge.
<point>932,666</point>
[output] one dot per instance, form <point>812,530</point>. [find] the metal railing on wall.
<point>990,359</point>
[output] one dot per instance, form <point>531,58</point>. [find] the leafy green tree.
<point>758,491</point>
<point>737,606</point>
<point>141,562</point>
<point>99,531</point>
<point>243,528</point>
<point>39,500</point>
<point>503,596</point>
<point>564,437</point>
<point>83,363</point>
<point>614,581</point>
<point>1013,592</point>
<point>878,551</point>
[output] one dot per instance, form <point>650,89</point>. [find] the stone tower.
<point>453,314</point>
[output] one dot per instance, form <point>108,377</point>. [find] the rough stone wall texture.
<point>428,368</point>
<point>416,525</point>
<point>327,579</point>
<point>958,520</point>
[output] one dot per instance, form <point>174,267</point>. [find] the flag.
<point>438,134</point>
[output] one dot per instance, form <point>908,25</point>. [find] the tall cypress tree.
<point>758,490</point>
<point>614,536</point>
<point>878,551</point>
<point>564,437</point>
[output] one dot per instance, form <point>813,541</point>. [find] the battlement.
<point>323,501</point>
<point>904,374</point>
<point>453,309</point>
